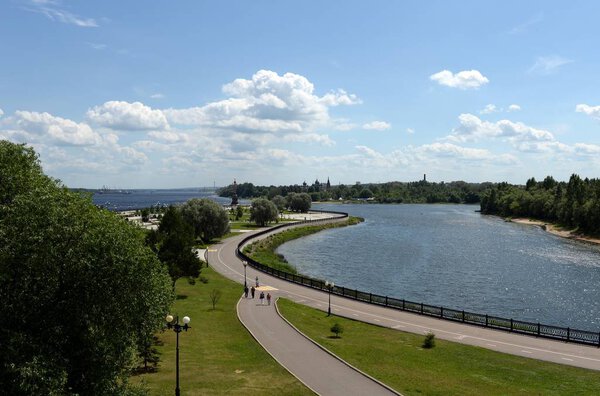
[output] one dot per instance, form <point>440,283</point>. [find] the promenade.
<point>222,258</point>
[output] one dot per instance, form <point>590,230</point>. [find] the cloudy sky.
<point>162,94</point>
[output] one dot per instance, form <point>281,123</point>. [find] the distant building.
<point>234,197</point>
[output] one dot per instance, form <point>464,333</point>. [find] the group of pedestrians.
<point>262,296</point>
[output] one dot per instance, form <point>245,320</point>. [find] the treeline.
<point>391,192</point>
<point>575,204</point>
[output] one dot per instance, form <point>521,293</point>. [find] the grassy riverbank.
<point>263,250</point>
<point>217,355</point>
<point>397,359</point>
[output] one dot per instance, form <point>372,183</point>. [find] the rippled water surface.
<point>452,256</point>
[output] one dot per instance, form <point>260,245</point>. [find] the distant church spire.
<point>234,197</point>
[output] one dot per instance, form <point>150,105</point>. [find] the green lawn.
<point>217,355</point>
<point>397,359</point>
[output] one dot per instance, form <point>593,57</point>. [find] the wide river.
<point>451,255</point>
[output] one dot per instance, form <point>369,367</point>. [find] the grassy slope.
<point>397,359</point>
<point>217,355</point>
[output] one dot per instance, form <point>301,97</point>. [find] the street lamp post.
<point>330,286</point>
<point>173,323</point>
<point>245,265</point>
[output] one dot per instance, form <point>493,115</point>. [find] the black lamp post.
<point>330,286</point>
<point>177,328</point>
<point>245,265</point>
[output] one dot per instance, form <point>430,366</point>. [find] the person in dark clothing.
<point>246,291</point>
<point>252,290</point>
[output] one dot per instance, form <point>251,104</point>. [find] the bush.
<point>337,329</point>
<point>429,341</point>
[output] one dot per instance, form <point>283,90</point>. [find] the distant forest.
<point>575,204</point>
<point>392,192</point>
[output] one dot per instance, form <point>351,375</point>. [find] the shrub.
<point>429,341</point>
<point>337,329</point>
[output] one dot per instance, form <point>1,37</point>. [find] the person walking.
<point>257,281</point>
<point>245,291</point>
<point>262,298</point>
<point>268,298</point>
<point>252,291</point>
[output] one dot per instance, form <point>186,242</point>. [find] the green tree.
<point>279,202</point>
<point>299,202</point>
<point>263,211</point>
<point>80,292</point>
<point>176,244</point>
<point>239,212</point>
<point>208,219</point>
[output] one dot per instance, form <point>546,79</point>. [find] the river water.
<point>451,255</point>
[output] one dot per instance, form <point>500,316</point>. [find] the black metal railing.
<point>494,322</point>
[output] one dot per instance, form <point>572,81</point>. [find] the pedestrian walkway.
<point>317,369</point>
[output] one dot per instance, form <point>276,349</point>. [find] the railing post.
<point>599,339</point>
<point>511,324</point>
<point>403,305</point>
<point>343,291</point>
<point>356,294</point>
<point>421,308</point>
<point>538,329</point>
<point>568,333</point>
<point>386,303</point>
<point>441,312</point>
<point>370,297</point>
<point>463,315</point>
<point>486,320</point>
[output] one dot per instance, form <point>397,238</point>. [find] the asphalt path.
<point>222,258</point>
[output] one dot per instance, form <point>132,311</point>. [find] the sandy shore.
<point>553,229</point>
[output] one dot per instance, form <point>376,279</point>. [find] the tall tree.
<point>80,292</point>
<point>208,219</point>
<point>176,242</point>
<point>263,211</point>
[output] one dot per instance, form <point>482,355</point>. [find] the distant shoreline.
<point>553,229</point>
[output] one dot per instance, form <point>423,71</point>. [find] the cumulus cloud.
<point>548,64</point>
<point>56,129</point>
<point>592,111</point>
<point>127,116</point>
<point>472,128</point>
<point>466,79</point>
<point>377,125</point>
<point>489,109</point>
<point>1,113</point>
<point>267,102</point>
<point>514,107</point>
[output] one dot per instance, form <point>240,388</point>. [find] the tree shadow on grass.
<point>181,297</point>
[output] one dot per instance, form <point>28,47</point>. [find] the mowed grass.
<point>397,359</point>
<point>217,355</point>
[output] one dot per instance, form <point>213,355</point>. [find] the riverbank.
<point>556,230</point>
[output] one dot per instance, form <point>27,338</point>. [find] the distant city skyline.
<point>168,95</point>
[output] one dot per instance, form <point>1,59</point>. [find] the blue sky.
<point>186,93</point>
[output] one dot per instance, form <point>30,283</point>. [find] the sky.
<point>167,94</point>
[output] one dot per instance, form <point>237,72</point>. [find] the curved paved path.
<point>222,258</point>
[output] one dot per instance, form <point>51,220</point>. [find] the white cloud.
<point>410,131</point>
<point>466,79</point>
<point>472,128</point>
<point>524,27</point>
<point>489,109</point>
<point>377,125</point>
<point>514,107</point>
<point>267,102</point>
<point>157,96</point>
<point>52,11</point>
<point>56,129</point>
<point>127,116</point>
<point>548,64</point>
<point>592,111</point>
<point>97,46</point>
<point>1,113</point>
<point>587,149</point>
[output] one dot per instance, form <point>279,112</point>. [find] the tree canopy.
<point>263,211</point>
<point>208,219</point>
<point>299,202</point>
<point>80,291</point>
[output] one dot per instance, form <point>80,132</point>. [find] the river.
<point>451,255</point>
